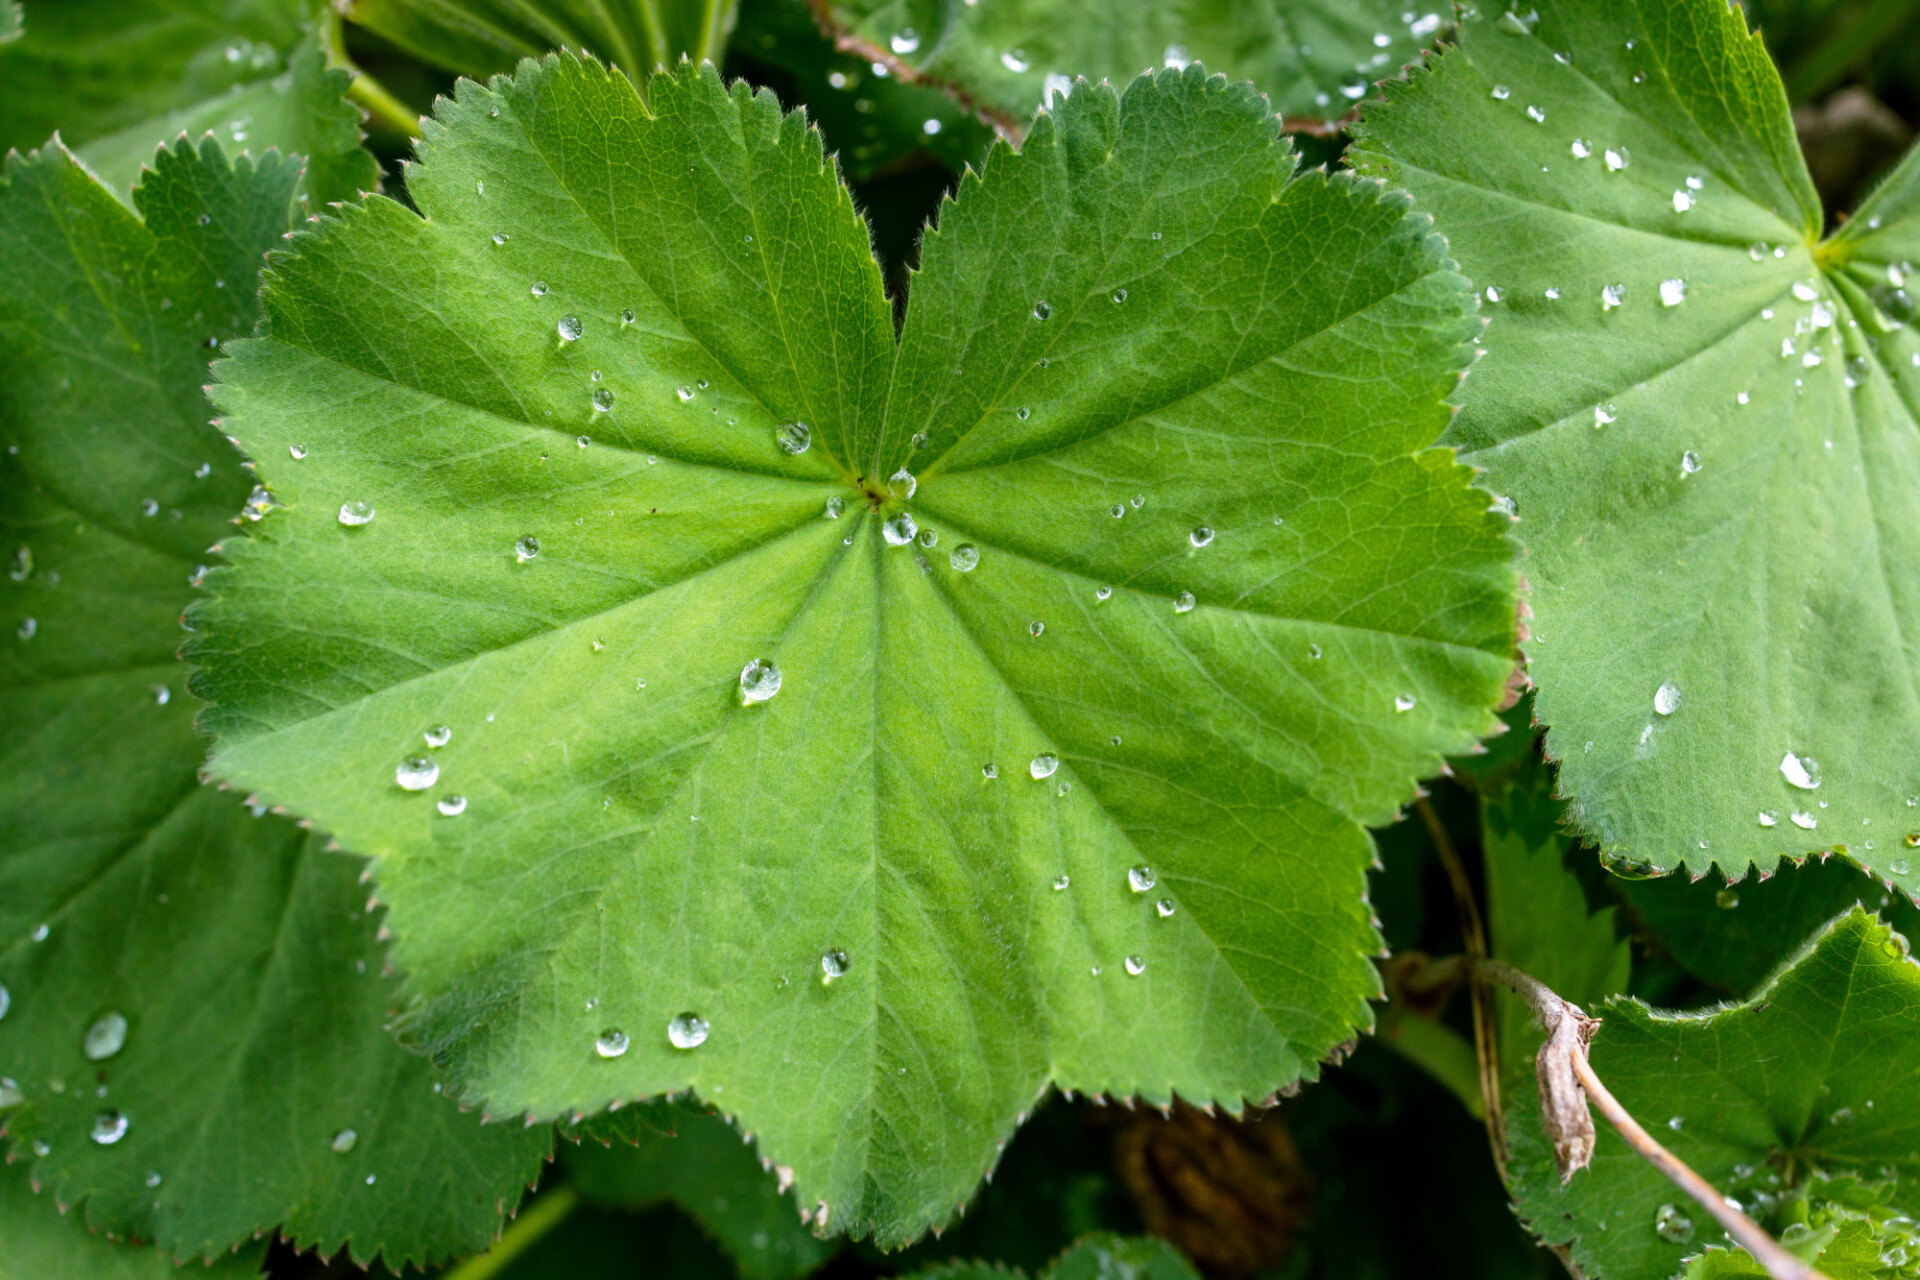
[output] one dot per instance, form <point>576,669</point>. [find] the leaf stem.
<point>383,109</point>
<point>1555,1015</point>
<point>546,1213</point>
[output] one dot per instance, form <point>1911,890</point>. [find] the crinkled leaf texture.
<point>1818,1072</point>
<point>1706,417</point>
<point>118,78</point>
<point>1099,1257</point>
<point>480,37</point>
<point>38,1243</point>
<point>1227,606</point>
<point>1313,58</point>
<point>232,950</point>
<point>679,1152</point>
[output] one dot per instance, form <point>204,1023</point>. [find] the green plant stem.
<point>1438,1050</point>
<point>384,111</point>
<point>548,1212</point>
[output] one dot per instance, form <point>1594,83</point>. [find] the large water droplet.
<point>834,963</point>
<point>1666,699</point>
<point>105,1037</point>
<point>965,558</point>
<point>687,1031</point>
<point>759,680</point>
<point>297,452</point>
<point>1800,771</point>
<point>344,1141</point>
<point>1806,290</point>
<point>1184,602</point>
<point>1612,295</point>
<point>1136,965</point>
<point>1164,908</point>
<point>1689,462</point>
<point>108,1128</point>
<point>1617,158</point>
<point>417,773</point>
<point>905,41</point>
<point>525,549</point>
<point>1036,629</point>
<point>1803,820</point>
<point>1673,292</point>
<point>602,399</point>
<point>538,288</point>
<point>610,1043</point>
<point>835,505</point>
<point>1140,879</point>
<point>899,529</point>
<point>1043,766</point>
<point>570,328</point>
<point>355,513</point>
<point>793,437</point>
<point>901,484</point>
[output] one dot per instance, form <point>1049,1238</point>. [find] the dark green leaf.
<point>228,954</point>
<point>1707,418</point>
<point>480,38</point>
<point>1246,365</point>
<point>1816,1076</point>
<point>39,1243</point>
<point>1095,1258</point>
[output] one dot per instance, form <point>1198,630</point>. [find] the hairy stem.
<point>384,111</point>
<point>1555,1014</point>
<point>546,1213</point>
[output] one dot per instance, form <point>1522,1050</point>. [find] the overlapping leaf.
<point>1817,1075</point>
<point>116,78</point>
<point>1072,784</point>
<point>1707,418</point>
<point>1313,58</point>
<point>1095,1258</point>
<point>482,37</point>
<point>36,1243</point>
<point>193,1021</point>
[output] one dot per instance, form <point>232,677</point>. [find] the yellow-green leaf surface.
<point>1785,1102</point>
<point>1706,416</point>
<point>117,78</point>
<point>1107,609</point>
<point>191,999</point>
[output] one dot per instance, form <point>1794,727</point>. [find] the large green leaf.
<point>117,78</point>
<point>1707,419</point>
<point>482,37</point>
<point>1313,58</point>
<point>1099,1257</point>
<point>1138,335</point>
<point>205,978</point>
<point>38,1243</point>
<point>685,1155</point>
<point>1814,1079</point>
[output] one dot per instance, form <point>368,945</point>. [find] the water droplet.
<point>1682,200</point>
<point>6,1000</point>
<point>1666,699</point>
<point>1676,1123</point>
<point>1141,878</point>
<point>1023,413</point>
<point>1612,295</point>
<point>1200,536</point>
<point>1136,965</point>
<point>1769,817</point>
<point>105,1037</point>
<point>1501,92</point>
<point>1806,290</point>
<point>1553,294</point>
<point>570,328</point>
<point>27,628</point>
<point>929,538</point>
<point>259,502</point>
<point>1313,651</point>
<point>1036,629</point>
<point>1164,907</point>
<point>1015,61</point>
<point>153,1178</point>
<point>793,437</point>
<point>687,1031</point>
<point>353,514</point>
<point>500,237</point>
<point>1604,415</point>
<point>1537,115</point>
<point>899,529</point>
<point>1043,766</point>
<point>1804,820</point>
<point>989,771</point>
<point>1800,771</point>
<point>525,549</point>
<point>602,399</point>
<point>1102,593</point>
<point>1061,881</point>
<point>452,806</point>
<point>1617,158</point>
<point>1184,602</point>
<point>1119,295</point>
<point>344,1141</point>
<point>1672,1225</point>
<point>1727,899</point>
<point>417,773</point>
<point>901,484</point>
<point>108,1128</point>
<point>40,932</point>
<point>1689,462</point>
<point>610,1043</point>
<point>759,680</point>
<point>833,964</point>
<point>538,288</point>
<point>1899,866</point>
<point>1673,292</point>
<point>1582,148</point>
<point>297,452</point>
<point>1404,702</point>
<point>905,41</point>
<point>964,558</point>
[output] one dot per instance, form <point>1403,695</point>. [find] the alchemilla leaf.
<point>1706,416</point>
<point>865,737</point>
<point>1798,1103</point>
<point>192,1039</point>
<point>481,37</point>
<point>37,1242</point>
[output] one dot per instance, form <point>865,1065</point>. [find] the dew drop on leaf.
<point>1612,295</point>
<point>1014,60</point>
<point>6,999</point>
<point>105,1037</point>
<point>1673,292</point>
<point>1184,602</point>
<point>965,558</point>
<point>439,735</point>
<point>1501,92</point>
<point>525,549</point>
<point>1043,766</point>
<point>602,399</point>
<point>1800,771</point>
<point>27,629</point>
<point>899,529</point>
<point>1200,536</point>
<point>687,1031</point>
<point>354,514</point>
<point>1672,1225</point>
<point>610,1043</point>
<point>1141,878</point>
<point>344,1141</point>
<point>833,964</point>
<point>1689,462</point>
<point>835,505</point>
<point>1666,699</point>
<point>929,538</point>
<point>1036,629</point>
<point>108,1128</point>
<point>538,288</point>
<point>570,328</point>
<point>1769,817</point>
<point>297,451</point>
<point>417,773</point>
<point>1404,702</point>
<point>1136,965</point>
<point>901,484</point>
<point>451,806</point>
<point>1061,881</point>
<point>1164,908</point>
<point>1617,158</point>
<point>1042,309</point>
<point>989,771</point>
<point>759,680</point>
<point>793,437</point>
<point>1804,820</point>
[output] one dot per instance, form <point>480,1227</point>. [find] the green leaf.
<point>230,952</point>
<point>1716,477</point>
<point>1815,1076</point>
<point>117,79</point>
<point>1313,58</point>
<point>1733,936</point>
<point>480,38</point>
<point>38,1243</point>
<point>1098,1257</point>
<point>1537,914</point>
<point>1227,347</point>
<point>695,1159</point>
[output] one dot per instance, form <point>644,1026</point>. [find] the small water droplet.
<point>1102,593</point>
<point>108,1128</point>
<point>1036,629</point>
<point>1689,462</point>
<point>793,437</point>
<point>1800,771</point>
<point>1612,295</point>
<point>40,931</point>
<point>1582,148</point>
<point>1673,292</point>
<point>297,452</point>
<point>1136,965</point>
<point>525,549</point>
<point>602,399</point>
<point>964,558</point>
<point>1404,702</point>
<point>1043,766</point>
<point>1014,60</point>
<point>1537,115</point>
<point>687,1031</point>
<point>1164,908</point>
<point>353,514</point>
<point>1501,92</point>
<point>105,1037</point>
<point>611,1043</point>
<point>1184,602</point>
<point>1769,817</point>
<point>989,771</point>
<point>759,680</point>
<point>905,41</point>
<point>1061,881</point>
<point>500,237</point>
<point>1666,699</point>
<point>344,1141</point>
<point>153,1178</point>
<point>538,288</point>
<point>452,806</point>
<point>570,328</point>
<point>1200,536</point>
<point>1141,878</point>
<point>417,773</point>
<point>1672,1225</point>
<point>1119,296</point>
<point>833,964</point>
<point>1804,820</point>
<point>899,529</point>
<point>1617,158</point>
<point>1042,309</point>
<point>1682,200</point>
